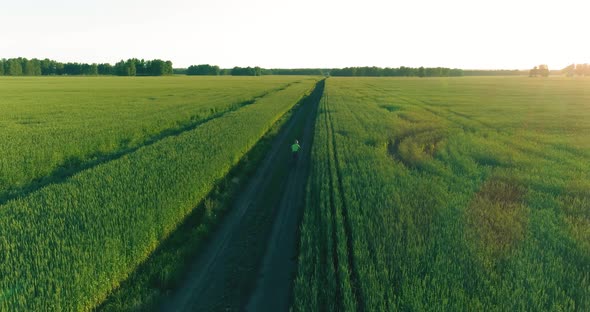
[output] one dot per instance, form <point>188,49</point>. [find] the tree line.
<point>397,72</point>
<point>214,70</point>
<point>494,72</point>
<point>136,67</point>
<point>541,70</point>
<point>577,69</point>
<point>206,69</point>
<point>569,71</point>
<point>46,67</point>
<point>203,70</point>
<point>296,71</point>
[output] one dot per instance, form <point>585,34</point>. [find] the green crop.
<point>456,194</point>
<point>67,245</point>
<point>52,126</point>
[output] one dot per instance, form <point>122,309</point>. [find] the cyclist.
<point>295,148</point>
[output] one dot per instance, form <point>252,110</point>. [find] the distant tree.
<point>407,71</point>
<point>59,68</point>
<point>24,63</point>
<point>159,68</point>
<point>120,68</point>
<point>203,69</point>
<point>534,72</point>
<point>104,69</point>
<point>131,67</point>
<point>372,71</point>
<point>389,72</point>
<point>142,68</point>
<point>421,72</point>
<point>48,67</point>
<point>582,70</point>
<point>456,72</point>
<point>2,67</point>
<point>168,69</point>
<point>33,67</point>
<point>294,71</point>
<point>13,68</point>
<point>155,68</point>
<point>28,69</point>
<point>543,70</point>
<point>335,72</point>
<point>194,70</point>
<point>433,72</point>
<point>569,70</point>
<point>73,69</point>
<point>90,69</point>
<point>125,68</point>
<point>237,71</point>
<point>346,72</point>
<point>246,71</point>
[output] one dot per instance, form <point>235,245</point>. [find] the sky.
<point>468,34</point>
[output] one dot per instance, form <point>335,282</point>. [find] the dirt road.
<point>249,262</point>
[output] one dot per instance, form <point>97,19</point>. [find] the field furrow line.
<point>353,271</point>
<point>334,211</point>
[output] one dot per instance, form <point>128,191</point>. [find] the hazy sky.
<point>301,33</point>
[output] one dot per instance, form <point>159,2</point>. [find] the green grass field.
<point>458,194</point>
<point>66,246</point>
<point>51,126</point>
<point>467,194</point>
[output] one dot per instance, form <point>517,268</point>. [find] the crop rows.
<point>66,246</point>
<point>325,225</point>
<point>51,127</point>
<point>448,194</point>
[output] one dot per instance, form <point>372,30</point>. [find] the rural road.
<point>273,287</point>
<point>250,261</point>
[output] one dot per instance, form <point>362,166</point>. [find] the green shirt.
<point>295,148</point>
